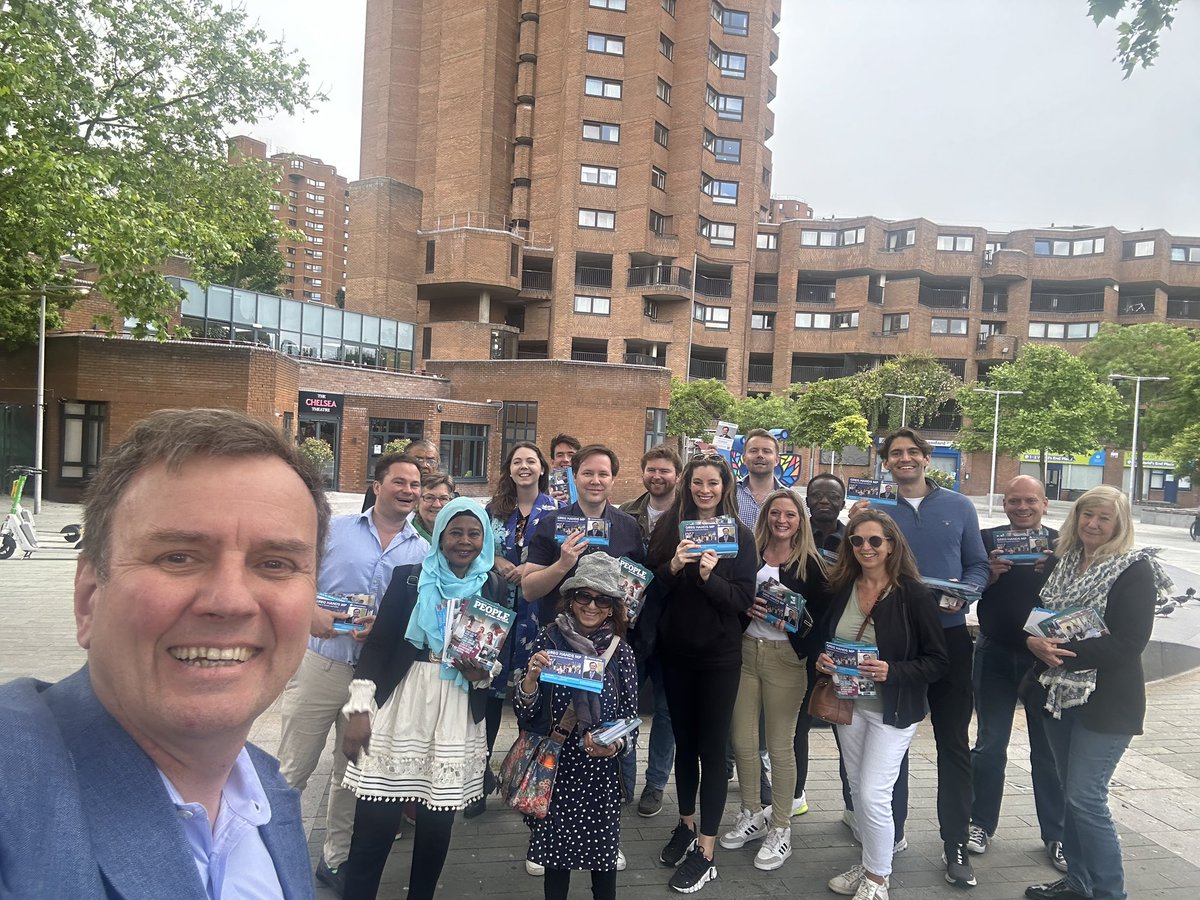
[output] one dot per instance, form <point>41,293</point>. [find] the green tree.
<point>829,416</point>
<point>1063,407</point>
<point>258,267</point>
<point>695,405</point>
<point>114,149</point>
<point>918,374</point>
<point>772,411</point>
<point>1139,24</point>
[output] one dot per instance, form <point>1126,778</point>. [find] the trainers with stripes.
<point>750,826</point>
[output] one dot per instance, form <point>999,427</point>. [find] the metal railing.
<point>808,374</point>
<point>815,293</point>
<point>995,303</point>
<point>714,287</point>
<point>535,280</point>
<point>943,298</point>
<point>481,221</point>
<point>660,276</point>
<point>644,359</point>
<point>1183,309</point>
<point>761,373</point>
<point>1066,303</point>
<point>1138,305</point>
<point>705,368</point>
<point>766,293</point>
<point>588,356</point>
<point>532,354</point>
<point>586,276</point>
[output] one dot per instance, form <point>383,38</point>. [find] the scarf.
<point>1068,588</point>
<point>438,583</point>
<point>586,703</point>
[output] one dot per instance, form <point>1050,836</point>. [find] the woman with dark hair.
<point>415,730</point>
<point>705,601</point>
<point>518,505</point>
<point>582,828</point>
<point>1094,690</point>
<point>878,598</point>
<point>774,677</point>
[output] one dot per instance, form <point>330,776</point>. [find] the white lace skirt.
<point>424,745</point>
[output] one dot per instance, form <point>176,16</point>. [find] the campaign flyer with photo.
<point>1074,624</point>
<point>595,530</point>
<point>952,594</point>
<point>847,656</point>
<point>574,670</point>
<point>719,534</point>
<point>1022,547</point>
<point>350,610</point>
<point>610,732</point>
<point>724,434</point>
<point>478,634</point>
<point>782,605</point>
<point>562,481</point>
<point>633,582</point>
<point>883,492</point>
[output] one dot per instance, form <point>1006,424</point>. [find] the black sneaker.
<point>1054,850</point>
<point>696,871</point>
<point>958,865</point>
<point>651,802</point>
<point>683,839</point>
<point>334,879</point>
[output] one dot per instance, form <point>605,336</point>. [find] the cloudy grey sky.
<point>1004,113</point>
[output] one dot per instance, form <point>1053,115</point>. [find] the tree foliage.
<point>1064,408</point>
<point>1139,24</point>
<point>695,405</point>
<point>772,411</point>
<point>258,267</point>
<point>115,151</point>
<point>918,374</point>
<point>828,415</point>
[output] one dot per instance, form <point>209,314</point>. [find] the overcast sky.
<point>1004,113</point>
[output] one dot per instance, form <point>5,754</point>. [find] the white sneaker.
<point>749,827</point>
<point>869,890</point>
<point>847,883</point>
<point>800,805</point>
<point>849,821</point>
<point>775,849</point>
<point>621,861</point>
<point>534,869</point>
<point>900,846</point>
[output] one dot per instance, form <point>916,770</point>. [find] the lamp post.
<point>39,416</point>
<point>904,398</point>
<point>995,440</point>
<point>1137,405</point>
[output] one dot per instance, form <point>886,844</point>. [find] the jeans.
<point>660,750</point>
<point>997,673</point>
<point>1086,761</point>
<point>899,791</point>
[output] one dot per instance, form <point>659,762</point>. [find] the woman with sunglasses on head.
<point>582,828</point>
<point>878,598</point>
<point>774,676</point>
<point>705,601</point>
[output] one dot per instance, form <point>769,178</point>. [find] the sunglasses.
<point>875,541</point>
<point>592,600</point>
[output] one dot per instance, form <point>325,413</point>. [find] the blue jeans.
<point>997,673</point>
<point>660,752</point>
<point>1086,761</point>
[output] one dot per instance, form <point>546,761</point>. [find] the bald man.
<point>1001,659</point>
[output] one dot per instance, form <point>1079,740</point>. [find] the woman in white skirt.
<point>416,726</point>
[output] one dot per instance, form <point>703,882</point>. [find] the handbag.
<point>825,704</point>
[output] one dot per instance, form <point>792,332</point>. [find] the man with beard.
<point>760,454</point>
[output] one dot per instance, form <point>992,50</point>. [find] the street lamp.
<point>1137,405</point>
<point>995,440</point>
<point>904,398</point>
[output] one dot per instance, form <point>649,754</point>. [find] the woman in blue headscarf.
<point>416,724</point>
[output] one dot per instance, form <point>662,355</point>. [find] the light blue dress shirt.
<point>355,564</point>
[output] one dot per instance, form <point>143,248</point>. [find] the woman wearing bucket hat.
<point>582,828</point>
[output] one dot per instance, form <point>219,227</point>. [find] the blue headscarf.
<point>438,583</point>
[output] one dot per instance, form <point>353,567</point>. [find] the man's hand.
<point>356,736</point>
<point>859,506</point>
<point>562,498</point>
<point>322,623</point>
<point>368,622</point>
<point>998,567</point>
<point>472,672</point>
<point>507,570</point>
<point>572,549</point>
<point>1047,649</point>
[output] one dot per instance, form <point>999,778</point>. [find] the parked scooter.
<point>18,532</point>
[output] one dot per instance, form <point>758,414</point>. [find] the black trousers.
<point>558,882</point>
<point>375,825</point>
<point>701,700</point>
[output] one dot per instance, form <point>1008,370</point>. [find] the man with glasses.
<point>436,491</point>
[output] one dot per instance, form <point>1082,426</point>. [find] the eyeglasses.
<point>592,600</point>
<point>875,541</point>
<point>436,499</point>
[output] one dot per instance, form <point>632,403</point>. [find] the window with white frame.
<point>942,325</point>
<point>615,5</point>
<point>895,322</point>
<point>961,243</point>
<point>1184,254</point>
<point>898,240</point>
<point>762,321</point>
<point>1082,247</point>
<point>597,218</point>
<point>662,134</point>
<point>767,240</point>
<point>658,178</point>
<point>603,175</point>
<point>592,306</point>
<point>825,237</point>
<point>716,317</point>
<point>605,132</point>
<point>1070,331</point>
<point>602,87</point>
<point>733,21</point>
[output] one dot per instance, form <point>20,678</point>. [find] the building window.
<point>662,134</point>
<point>315,226</point>
<point>597,218</point>
<point>313,211</point>
<point>656,427</point>
<point>895,322</point>
<point>817,237</point>
<point>383,431</point>
<point>715,317</point>
<point>297,164</point>
<point>732,65</point>
<point>726,106</point>
<point>430,251</point>
<point>732,21</point>
<point>724,149</point>
<point>963,243</point>
<point>312,182</point>
<point>591,306</point>
<point>1084,247</point>
<point>663,90</point>
<point>464,451</point>
<point>602,87</point>
<point>720,191</point>
<point>1073,331</point>
<point>601,131</point>
<point>658,178</point>
<point>1184,254</point>
<point>719,234</point>
<point>767,240</point>
<point>826,320</point>
<point>669,7</point>
<point>940,325</point>
<point>313,239</point>
<point>650,308</point>
<point>898,240</point>
<point>762,321</point>
<point>659,224</point>
<point>604,175</point>
<point>82,440</point>
<point>612,44</point>
<point>520,419</point>
<point>1137,249</point>
<point>617,5</point>
<point>666,46</point>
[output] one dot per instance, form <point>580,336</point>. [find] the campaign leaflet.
<point>1072,624</point>
<point>595,530</point>
<point>350,610</point>
<point>782,605</point>
<point>719,534</point>
<point>1024,547</point>
<point>562,481</point>
<point>952,594</point>
<point>610,732</point>
<point>478,634</point>
<point>830,556</point>
<point>574,670</point>
<point>882,492</point>
<point>847,656</point>
<point>633,582</point>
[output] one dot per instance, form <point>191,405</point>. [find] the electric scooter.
<point>17,531</point>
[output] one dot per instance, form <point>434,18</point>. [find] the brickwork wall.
<point>386,258</point>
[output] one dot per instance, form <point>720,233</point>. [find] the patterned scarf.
<point>1068,588</point>
<point>586,703</point>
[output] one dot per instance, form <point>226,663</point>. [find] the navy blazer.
<point>84,813</point>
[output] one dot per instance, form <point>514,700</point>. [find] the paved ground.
<point>1155,795</point>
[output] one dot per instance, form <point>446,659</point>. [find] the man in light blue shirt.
<point>362,552</point>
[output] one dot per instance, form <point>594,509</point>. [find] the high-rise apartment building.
<point>314,200</point>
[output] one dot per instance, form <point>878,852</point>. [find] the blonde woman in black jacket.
<point>877,593</point>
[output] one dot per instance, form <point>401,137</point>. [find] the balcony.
<point>808,292</point>
<point>668,280</point>
<point>589,356</point>
<point>995,303</point>
<point>537,282</point>
<point>644,359</point>
<point>809,374</point>
<point>761,373</point>
<point>943,298</point>
<point>704,368</point>
<point>766,293</point>
<point>1135,305</point>
<point>1045,302</point>
<point>1183,309</point>
<point>942,422</point>
<point>719,288</point>
<point>588,277</point>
